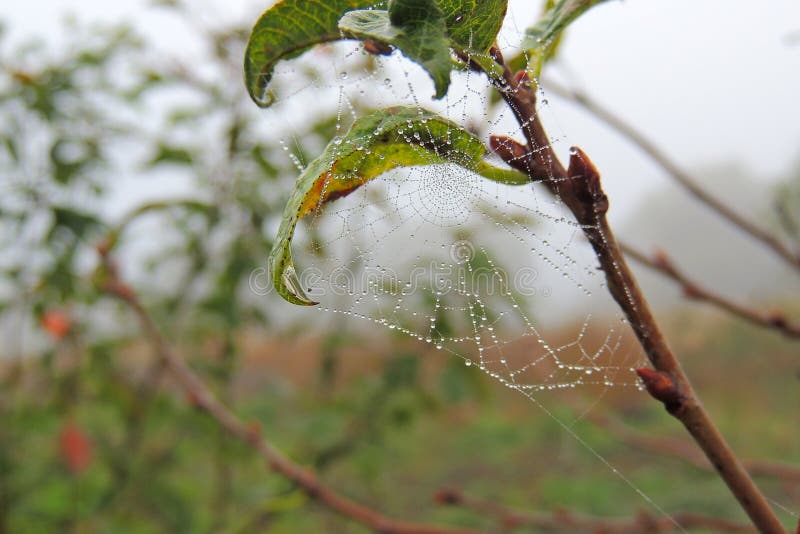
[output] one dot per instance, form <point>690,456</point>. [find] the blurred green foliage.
<point>94,437</point>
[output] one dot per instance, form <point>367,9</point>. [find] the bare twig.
<point>662,263</point>
<point>578,186</point>
<point>788,223</point>
<point>688,182</point>
<point>204,399</point>
<point>683,450</point>
<point>566,521</point>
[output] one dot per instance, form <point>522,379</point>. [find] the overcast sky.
<point>710,81</point>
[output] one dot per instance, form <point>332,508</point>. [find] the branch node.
<point>518,156</point>
<point>778,320</point>
<point>661,260</point>
<point>585,183</point>
<point>254,431</point>
<point>507,148</point>
<point>520,79</point>
<point>496,54</point>
<point>377,48</point>
<point>119,289</point>
<point>646,522</point>
<point>193,400</point>
<point>662,387</point>
<point>691,291</point>
<point>448,497</point>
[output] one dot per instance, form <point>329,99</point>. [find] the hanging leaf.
<point>419,32</point>
<point>376,143</point>
<point>541,39</point>
<point>285,31</point>
<point>473,24</point>
<point>424,30</point>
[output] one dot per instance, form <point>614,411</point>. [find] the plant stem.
<point>688,182</point>
<point>680,449</point>
<point>578,186</point>
<point>250,434</point>
<point>662,263</point>
<point>567,521</point>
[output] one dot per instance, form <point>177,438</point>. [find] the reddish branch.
<point>578,186</point>
<point>204,399</point>
<point>662,263</point>
<point>566,521</point>
<point>688,182</point>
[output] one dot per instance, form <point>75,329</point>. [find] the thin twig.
<point>663,264</point>
<point>566,521</point>
<point>205,400</point>
<point>789,224</point>
<point>578,186</point>
<point>688,182</point>
<point>683,450</point>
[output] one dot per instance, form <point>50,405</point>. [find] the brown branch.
<point>204,399</point>
<point>663,264</point>
<point>682,450</point>
<point>688,182</point>
<point>578,186</point>
<point>566,521</point>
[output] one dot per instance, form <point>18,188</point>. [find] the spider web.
<point>480,270</point>
<point>500,276</point>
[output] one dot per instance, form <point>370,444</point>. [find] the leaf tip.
<point>259,93</point>
<point>284,277</point>
<point>441,84</point>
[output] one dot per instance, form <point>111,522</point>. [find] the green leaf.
<point>424,30</point>
<point>473,24</point>
<point>376,143</point>
<point>422,39</point>
<point>542,38</point>
<point>285,31</point>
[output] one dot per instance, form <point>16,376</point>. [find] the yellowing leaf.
<point>376,143</point>
<point>288,29</point>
